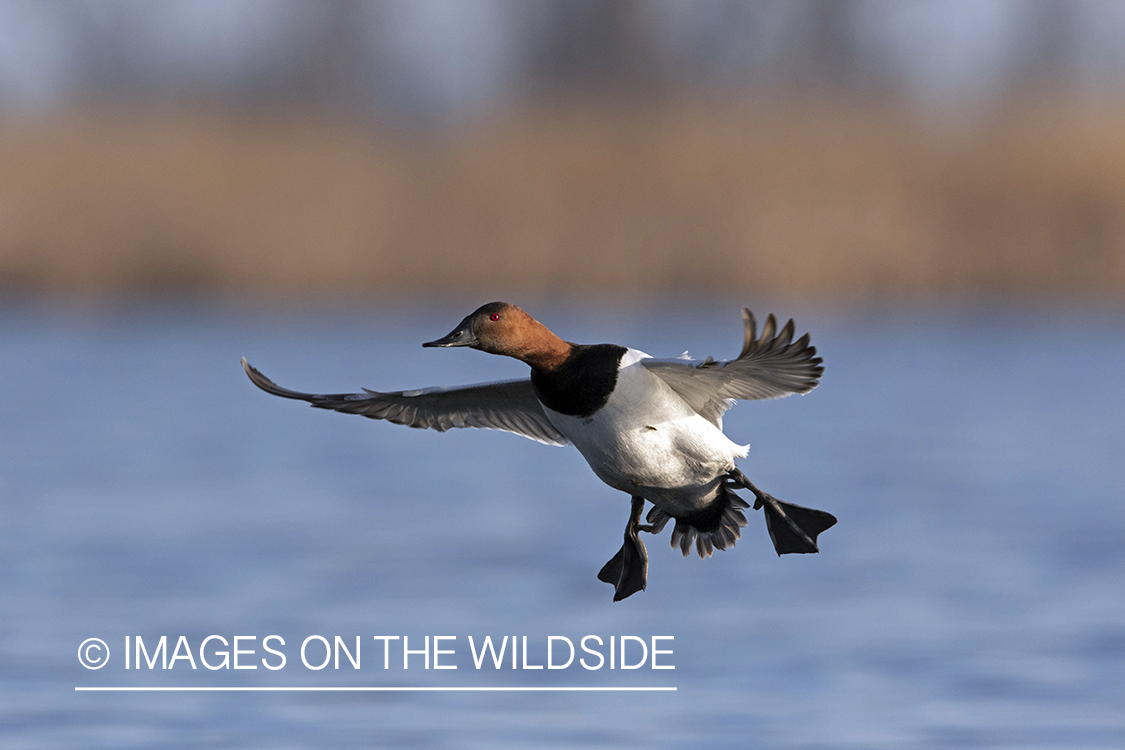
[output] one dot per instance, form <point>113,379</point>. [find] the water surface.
<point>971,595</point>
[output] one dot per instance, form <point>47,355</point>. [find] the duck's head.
<point>502,328</point>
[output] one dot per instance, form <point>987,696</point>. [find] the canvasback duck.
<point>652,428</point>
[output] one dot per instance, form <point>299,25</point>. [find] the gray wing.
<point>509,405</point>
<point>768,367</point>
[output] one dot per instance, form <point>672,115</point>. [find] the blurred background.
<point>934,190</point>
<point>843,150</point>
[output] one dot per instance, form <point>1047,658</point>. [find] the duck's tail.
<point>717,527</point>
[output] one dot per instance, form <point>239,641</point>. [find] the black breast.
<point>581,385</point>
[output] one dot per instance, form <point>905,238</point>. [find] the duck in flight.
<point>652,428</point>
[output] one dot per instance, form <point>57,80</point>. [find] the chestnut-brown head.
<point>502,328</point>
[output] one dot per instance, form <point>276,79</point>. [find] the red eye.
<point>494,316</point>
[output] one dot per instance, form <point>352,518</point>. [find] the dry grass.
<point>803,200</point>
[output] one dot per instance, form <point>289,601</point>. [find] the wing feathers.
<point>509,405</point>
<point>769,366</point>
<point>767,331</point>
<point>751,330</point>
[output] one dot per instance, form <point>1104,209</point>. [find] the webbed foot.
<point>792,528</point>
<point>628,569</point>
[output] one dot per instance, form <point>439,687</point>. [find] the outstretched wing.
<point>508,405</point>
<point>768,367</point>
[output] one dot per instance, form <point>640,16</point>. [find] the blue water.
<point>972,594</point>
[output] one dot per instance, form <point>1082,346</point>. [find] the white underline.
<point>373,689</point>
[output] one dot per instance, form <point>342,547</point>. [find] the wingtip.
<point>251,371</point>
<point>749,330</point>
<point>265,383</point>
<point>768,330</point>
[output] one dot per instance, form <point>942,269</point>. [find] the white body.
<point>647,441</point>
